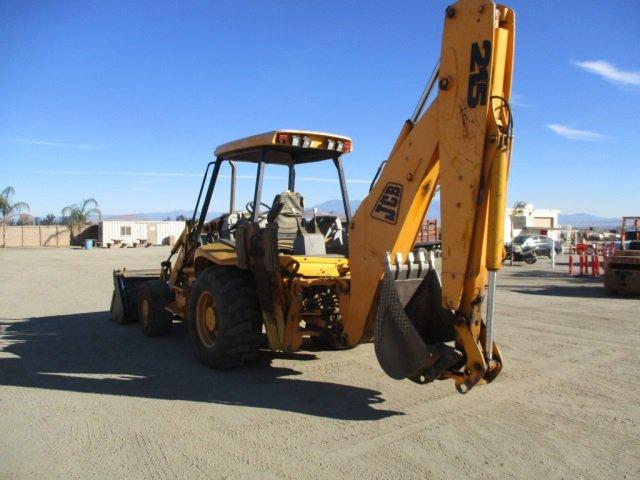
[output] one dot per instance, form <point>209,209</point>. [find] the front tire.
<point>224,317</point>
<point>154,319</point>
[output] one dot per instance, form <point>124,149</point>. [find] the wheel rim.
<point>144,310</point>
<point>206,319</point>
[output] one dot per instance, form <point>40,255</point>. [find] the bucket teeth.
<point>416,266</point>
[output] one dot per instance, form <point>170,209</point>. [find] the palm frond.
<point>8,191</point>
<point>94,211</point>
<point>19,207</point>
<point>67,211</point>
<point>89,202</point>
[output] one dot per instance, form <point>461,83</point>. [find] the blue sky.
<point>126,101</point>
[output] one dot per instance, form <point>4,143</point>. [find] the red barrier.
<point>570,264</point>
<point>590,263</point>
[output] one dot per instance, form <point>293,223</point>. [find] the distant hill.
<point>586,220</point>
<point>334,206</point>
<point>156,216</point>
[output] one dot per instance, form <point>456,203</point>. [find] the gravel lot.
<point>82,397</point>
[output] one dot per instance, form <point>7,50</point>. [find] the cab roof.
<point>286,147</point>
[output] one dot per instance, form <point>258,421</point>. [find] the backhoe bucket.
<point>411,324</point>
<point>126,286</point>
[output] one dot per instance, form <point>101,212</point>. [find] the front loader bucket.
<point>126,285</point>
<point>411,324</point>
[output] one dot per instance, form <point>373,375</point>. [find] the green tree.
<point>25,219</point>
<point>50,219</point>
<point>77,215</point>
<point>10,209</point>
<point>181,218</point>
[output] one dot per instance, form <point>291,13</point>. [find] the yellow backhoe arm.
<point>462,143</point>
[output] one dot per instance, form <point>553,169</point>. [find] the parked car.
<point>544,244</point>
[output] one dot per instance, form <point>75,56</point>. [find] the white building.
<point>528,220</point>
<point>138,231</point>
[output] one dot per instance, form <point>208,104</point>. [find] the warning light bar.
<point>303,141</point>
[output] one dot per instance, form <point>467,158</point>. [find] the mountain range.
<point>586,220</point>
<point>335,207</point>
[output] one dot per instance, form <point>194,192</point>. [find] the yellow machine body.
<point>460,144</point>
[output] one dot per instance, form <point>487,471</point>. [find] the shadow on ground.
<point>580,291</point>
<point>561,284</point>
<point>88,353</point>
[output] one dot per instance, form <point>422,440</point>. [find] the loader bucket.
<point>126,285</point>
<point>412,327</point>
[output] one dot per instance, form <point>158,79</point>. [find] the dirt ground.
<point>82,397</point>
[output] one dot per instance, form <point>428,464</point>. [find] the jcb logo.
<point>478,74</point>
<point>386,208</point>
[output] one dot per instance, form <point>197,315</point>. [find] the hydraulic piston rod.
<point>491,301</point>
<point>425,93</point>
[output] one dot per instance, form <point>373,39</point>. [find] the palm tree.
<point>49,219</point>
<point>77,215</point>
<point>10,210</point>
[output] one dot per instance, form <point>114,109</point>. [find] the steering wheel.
<point>250,208</point>
<point>333,229</point>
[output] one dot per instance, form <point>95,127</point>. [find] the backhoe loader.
<point>268,269</point>
<point>622,270</point>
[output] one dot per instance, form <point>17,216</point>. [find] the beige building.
<point>526,219</point>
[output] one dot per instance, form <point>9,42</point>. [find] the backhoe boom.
<point>462,144</point>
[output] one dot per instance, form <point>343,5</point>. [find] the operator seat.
<point>286,212</point>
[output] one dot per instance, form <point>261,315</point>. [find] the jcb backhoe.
<point>342,285</point>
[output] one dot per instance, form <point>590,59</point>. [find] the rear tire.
<point>154,319</point>
<point>224,317</point>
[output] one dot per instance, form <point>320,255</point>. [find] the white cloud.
<point>122,173</point>
<point>574,133</point>
<point>610,72</point>
<point>46,143</point>
<point>115,173</point>
<point>519,100</point>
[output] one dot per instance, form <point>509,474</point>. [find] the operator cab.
<point>284,216</point>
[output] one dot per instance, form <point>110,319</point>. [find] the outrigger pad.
<point>409,340</point>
